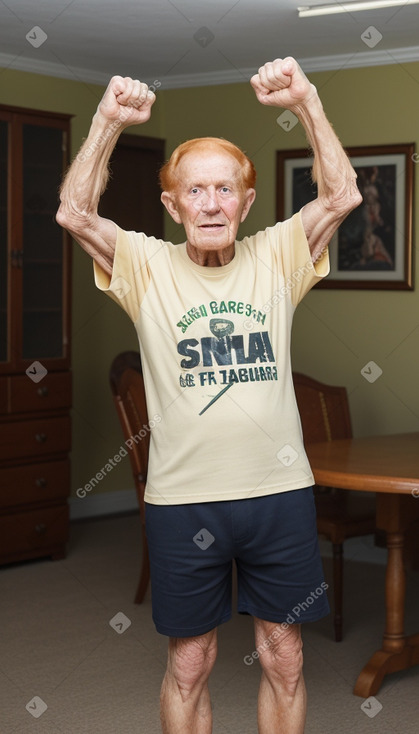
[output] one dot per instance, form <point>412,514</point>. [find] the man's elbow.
<point>354,198</point>
<point>345,201</point>
<point>61,217</point>
<point>73,222</point>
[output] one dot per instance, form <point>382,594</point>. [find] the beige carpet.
<point>59,651</point>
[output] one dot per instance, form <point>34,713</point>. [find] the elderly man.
<point>228,476</point>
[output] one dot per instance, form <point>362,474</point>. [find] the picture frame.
<point>373,247</point>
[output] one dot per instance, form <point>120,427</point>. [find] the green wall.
<point>335,332</point>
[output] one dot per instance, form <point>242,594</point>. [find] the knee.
<point>282,660</point>
<point>191,660</point>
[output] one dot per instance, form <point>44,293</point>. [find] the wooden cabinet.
<point>35,377</point>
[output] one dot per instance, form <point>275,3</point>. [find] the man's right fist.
<point>127,100</point>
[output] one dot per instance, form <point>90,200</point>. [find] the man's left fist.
<point>282,83</point>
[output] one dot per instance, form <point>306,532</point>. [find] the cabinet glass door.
<point>3,240</point>
<point>42,325</point>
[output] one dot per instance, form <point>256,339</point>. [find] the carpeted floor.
<point>59,650</point>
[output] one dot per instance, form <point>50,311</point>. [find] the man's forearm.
<point>282,83</point>
<point>88,174</point>
<point>332,169</point>
<point>125,102</point>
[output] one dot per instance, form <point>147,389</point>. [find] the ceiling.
<point>184,43</point>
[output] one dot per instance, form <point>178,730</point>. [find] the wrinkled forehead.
<point>208,166</point>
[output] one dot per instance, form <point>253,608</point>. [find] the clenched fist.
<point>282,83</point>
<point>127,100</point>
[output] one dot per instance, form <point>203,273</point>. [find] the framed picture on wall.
<point>373,247</point>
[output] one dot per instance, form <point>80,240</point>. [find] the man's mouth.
<point>211,226</point>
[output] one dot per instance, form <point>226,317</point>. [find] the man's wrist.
<point>310,104</point>
<point>102,124</point>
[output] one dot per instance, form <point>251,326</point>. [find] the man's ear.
<point>169,201</point>
<point>249,198</point>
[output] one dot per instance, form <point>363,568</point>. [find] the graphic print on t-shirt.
<point>225,349</point>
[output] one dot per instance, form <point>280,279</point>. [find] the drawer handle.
<point>41,482</point>
<point>42,391</point>
<point>41,437</point>
<point>40,528</point>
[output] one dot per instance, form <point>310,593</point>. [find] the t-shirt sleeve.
<point>130,272</point>
<point>293,256</point>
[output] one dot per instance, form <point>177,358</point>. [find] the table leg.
<point>393,638</point>
<point>398,652</point>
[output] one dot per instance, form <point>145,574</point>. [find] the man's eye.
<point>225,189</point>
<point>194,190</point>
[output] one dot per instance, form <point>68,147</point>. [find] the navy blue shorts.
<point>273,540</point>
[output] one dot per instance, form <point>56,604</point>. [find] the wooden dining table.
<point>389,466</point>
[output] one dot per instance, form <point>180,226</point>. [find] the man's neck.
<point>211,258</point>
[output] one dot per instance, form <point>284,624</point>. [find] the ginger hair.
<point>169,180</point>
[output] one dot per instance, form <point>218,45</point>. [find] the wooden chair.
<point>341,514</point>
<point>127,385</point>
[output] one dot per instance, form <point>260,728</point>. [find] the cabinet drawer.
<point>34,483</point>
<point>53,391</point>
<point>24,532</point>
<point>34,438</point>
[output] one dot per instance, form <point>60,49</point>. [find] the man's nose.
<point>210,203</point>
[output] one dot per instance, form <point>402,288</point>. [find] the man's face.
<point>209,201</point>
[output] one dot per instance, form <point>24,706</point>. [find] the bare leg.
<point>185,701</point>
<point>282,693</point>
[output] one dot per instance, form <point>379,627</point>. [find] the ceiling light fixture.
<point>306,11</point>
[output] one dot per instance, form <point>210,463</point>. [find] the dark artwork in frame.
<point>372,248</point>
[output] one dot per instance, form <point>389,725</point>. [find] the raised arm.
<point>126,102</point>
<point>282,83</point>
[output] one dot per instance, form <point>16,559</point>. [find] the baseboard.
<point>105,503</point>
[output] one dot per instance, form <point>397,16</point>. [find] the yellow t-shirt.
<point>215,350</point>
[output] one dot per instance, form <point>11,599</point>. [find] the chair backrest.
<point>324,409</point>
<point>127,385</point>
